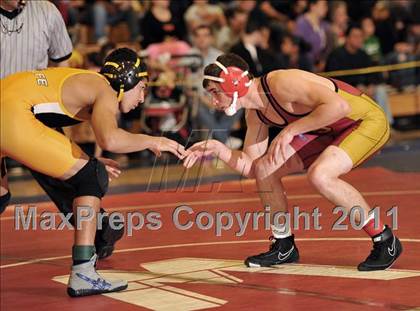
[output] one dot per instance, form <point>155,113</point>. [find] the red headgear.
<point>234,83</point>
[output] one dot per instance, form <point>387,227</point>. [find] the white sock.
<point>281,231</point>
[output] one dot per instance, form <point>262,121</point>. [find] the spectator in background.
<point>105,50</point>
<point>371,44</point>
<point>203,13</point>
<point>402,17</point>
<point>208,118</point>
<point>246,5</point>
<point>297,8</point>
<point>112,13</point>
<point>252,9</point>
<point>414,36</point>
<point>283,12</point>
<point>70,11</point>
<point>253,48</point>
<point>159,23</point>
<point>101,14</point>
<point>414,29</point>
<point>403,52</point>
<point>203,44</point>
<point>359,9</point>
<point>230,34</point>
<point>385,30</point>
<point>276,10</point>
<point>95,59</point>
<point>312,28</point>
<point>352,56</point>
<point>291,47</point>
<point>159,54</point>
<point>339,22</point>
<point>164,70</point>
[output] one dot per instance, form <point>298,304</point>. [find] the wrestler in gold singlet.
<point>29,101</point>
<point>34,103</point>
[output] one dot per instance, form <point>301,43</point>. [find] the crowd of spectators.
<point>313,35</point>
<point>316,27</point>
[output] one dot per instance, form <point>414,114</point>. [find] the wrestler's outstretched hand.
<point>161,144</point>
<point>200,150</point>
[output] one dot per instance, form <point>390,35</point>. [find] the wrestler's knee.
<point>320,177</point>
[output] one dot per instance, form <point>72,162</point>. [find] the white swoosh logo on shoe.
<point>391,250</point>
<point>284,256</point>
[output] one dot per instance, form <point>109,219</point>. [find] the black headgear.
<point>123,69</point>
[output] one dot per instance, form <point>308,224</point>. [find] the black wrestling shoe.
<point>386,249</point>
<point>281,251</point>
<point>106,238</point>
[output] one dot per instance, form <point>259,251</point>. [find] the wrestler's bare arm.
<point>256,139</point>
<point>255,146</point>
<point>114,139</point>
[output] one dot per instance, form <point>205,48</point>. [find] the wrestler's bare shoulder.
<point>87,80</point>
<point>82,90</point>
<point>287,76</point>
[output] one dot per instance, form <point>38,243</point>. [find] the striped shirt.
<point>30,39</point>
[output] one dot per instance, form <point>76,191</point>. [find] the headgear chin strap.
<point>234,83</point>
